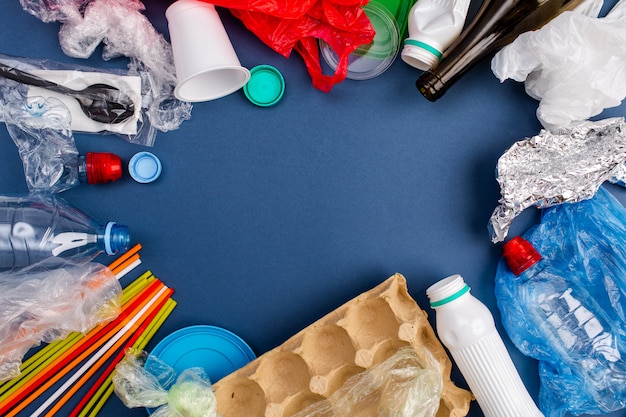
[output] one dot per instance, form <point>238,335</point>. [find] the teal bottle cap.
<point>144,167</point>
<point>265,87</point>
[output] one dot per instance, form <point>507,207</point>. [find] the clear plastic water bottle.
<point>40,226</point>
<point>567,322</point>
<point>467,328</point>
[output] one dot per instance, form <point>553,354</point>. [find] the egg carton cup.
<point>312,364</point>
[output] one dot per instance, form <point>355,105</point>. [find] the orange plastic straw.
<point>115,264</point>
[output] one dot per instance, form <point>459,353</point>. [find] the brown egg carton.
<point>315,362</point>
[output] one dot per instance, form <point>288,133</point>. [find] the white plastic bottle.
<point>466,327</point>
<point>433,25</point>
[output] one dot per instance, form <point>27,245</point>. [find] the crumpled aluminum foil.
<point>554,167</point>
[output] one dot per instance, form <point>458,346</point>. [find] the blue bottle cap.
<point>265,87</point>
<point>116,238</point>
<point>144,167</point>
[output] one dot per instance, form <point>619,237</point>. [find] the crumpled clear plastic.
<point>41,131</point>
<point>566,165</point>
<point>407,384</point>
<point>574,65</point>
<point>125,31</point>
<point>156,386</point>
<point>49,300</point>
<point>297,25</point>
<point>134,129</point>
<point>571,315</point>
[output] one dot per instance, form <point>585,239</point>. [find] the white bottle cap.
<point>419,54</point>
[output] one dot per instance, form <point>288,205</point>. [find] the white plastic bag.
<point>575,65</point>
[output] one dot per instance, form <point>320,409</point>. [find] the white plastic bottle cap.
<point>144,167</point>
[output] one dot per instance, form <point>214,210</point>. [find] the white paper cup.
<point>207,66</point>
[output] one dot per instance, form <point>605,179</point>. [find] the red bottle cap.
<point>520,254</point>
<point>102,167</point>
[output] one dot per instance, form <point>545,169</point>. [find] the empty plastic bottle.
<point>37,227</point>
<point>567,325</point>
<point>496,24</point>
<point>466,327</point>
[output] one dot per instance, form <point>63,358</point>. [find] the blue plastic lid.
<point>218,351</point>
<point>116,238</point>
<point>144,167</point>
<point>265,87</point>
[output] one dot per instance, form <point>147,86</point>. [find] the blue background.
<point>266,219</point>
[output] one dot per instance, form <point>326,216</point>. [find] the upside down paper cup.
<point>207,66</point>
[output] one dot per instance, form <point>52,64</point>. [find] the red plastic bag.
<point>286,25</point>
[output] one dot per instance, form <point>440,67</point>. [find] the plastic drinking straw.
<point>88,370</point>
<point>77,352</point>
<point>116,263</point>
<point>106,389</point>
<point>48,354</point>
<point>102,389</point>
<point>116,336</point>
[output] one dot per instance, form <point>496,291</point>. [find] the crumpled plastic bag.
<point>125,31</point>
<point>287,25</point>
<point>156,386</point>
<point>407,384</point>
<point>574,65</point>
<point>551,168</point>
<point>49,300</point>
<point>571,316</point>
<point>41,131</point>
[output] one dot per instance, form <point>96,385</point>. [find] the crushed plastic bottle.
<point>40,129</point>
<point>40,226</point>
<point>552,318</point>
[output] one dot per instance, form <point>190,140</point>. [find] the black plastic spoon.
<point>100,102</point>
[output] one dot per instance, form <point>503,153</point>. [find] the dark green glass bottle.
<point>496,24</point>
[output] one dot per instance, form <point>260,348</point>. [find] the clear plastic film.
<point>125,31</point>
<point>567,165</point>
<point>99,101</point>
<point>407,384</point>
<point>48,301</point>
<point>41,131</point>
<point>157,386</point>
<point>574,65</point>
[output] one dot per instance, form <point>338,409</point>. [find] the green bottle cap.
<point>265,87</point>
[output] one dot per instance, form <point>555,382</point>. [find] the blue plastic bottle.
<point>37,227</point>
<point>551,316</point>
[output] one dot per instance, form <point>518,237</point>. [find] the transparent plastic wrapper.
<point>570,312</point>
<point>189,394</point>
<point>566,165</point>
<point>125,31</point>
<point>574,65</point>
<point>49,300</point>
<point>297,25</point>
<point>134,127</point>
<point>407,384</point>
<point>41,131</point>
